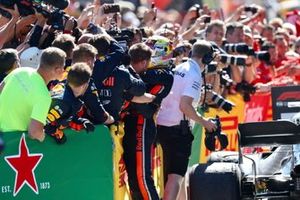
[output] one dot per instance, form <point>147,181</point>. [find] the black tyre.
<point>215,181</point>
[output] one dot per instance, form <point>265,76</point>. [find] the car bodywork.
<point>271,175</point>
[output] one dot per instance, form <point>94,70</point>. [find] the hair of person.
<point>279,37</point>
<point>200,48</point>
<point>139,52</point>
<point>85,38</point>
<point>214,23</point>
<point>79,74</point>
<point>52,57</point>
<point>8,57</point>
<point>84,51</point>
<point>65,42</point>
<point>290,28</point>
<point>267,27</point>
<point>231,27</point>
<point>102,43</point>
<point>276,21</point>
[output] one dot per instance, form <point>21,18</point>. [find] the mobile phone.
<point>250,9</point>
<point>111,8</point>
<point>152,7</point>
<point>153,4</point>
<point>207,19</point>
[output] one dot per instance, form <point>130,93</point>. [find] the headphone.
<point>208,57</point>
<point>210,137</point>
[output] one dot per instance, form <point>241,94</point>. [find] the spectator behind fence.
<point>24,97</point>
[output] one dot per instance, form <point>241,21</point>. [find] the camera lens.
<point>221,102</point>
<point>233,60</point>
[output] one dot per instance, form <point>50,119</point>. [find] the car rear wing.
<point>268,133</point>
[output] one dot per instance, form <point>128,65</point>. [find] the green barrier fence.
<point>80,169</point>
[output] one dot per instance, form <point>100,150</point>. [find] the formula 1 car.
<point>237,176</point>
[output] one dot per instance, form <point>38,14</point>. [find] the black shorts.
<point>176,145</point>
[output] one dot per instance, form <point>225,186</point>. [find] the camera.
<point>246,89</point>
<point>207,19</point>
<point>220,101</point>
<point>250,9</point>
<point>51,9</point>
<point>262,56</point>
<point>111,8</point>
<point>225,79</point>
<point>124,37</point>
<point>211,137</point>
<point>211,68</point>
<point>233,59</point>
<point>243,48</point>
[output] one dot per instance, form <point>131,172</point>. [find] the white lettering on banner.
<point>254,114</point>
<point>6,189</point>
<point>45,185</point>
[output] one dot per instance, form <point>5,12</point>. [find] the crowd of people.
<point>140,70</point>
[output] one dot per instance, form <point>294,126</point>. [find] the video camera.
<point>123,36</point>
<point>50,9</point>
<point>243,48</point>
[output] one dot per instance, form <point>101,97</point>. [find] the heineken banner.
<point>79,169</point>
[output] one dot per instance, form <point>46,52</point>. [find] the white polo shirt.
<point>187,82</point>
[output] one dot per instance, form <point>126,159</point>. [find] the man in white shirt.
<point>174,133</point>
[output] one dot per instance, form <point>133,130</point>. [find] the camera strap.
<point>204,94</point>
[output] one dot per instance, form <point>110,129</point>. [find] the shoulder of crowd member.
<point>156,76</point>
<point>133,84</point>
<point>59,109</point>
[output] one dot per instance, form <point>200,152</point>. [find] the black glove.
<point>88,126</point>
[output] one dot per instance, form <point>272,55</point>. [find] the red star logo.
<point>24,165</point>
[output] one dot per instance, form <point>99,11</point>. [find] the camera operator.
<point>215,32</point>
<point>174,133</point>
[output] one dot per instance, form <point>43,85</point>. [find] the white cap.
<point>31,57</point>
